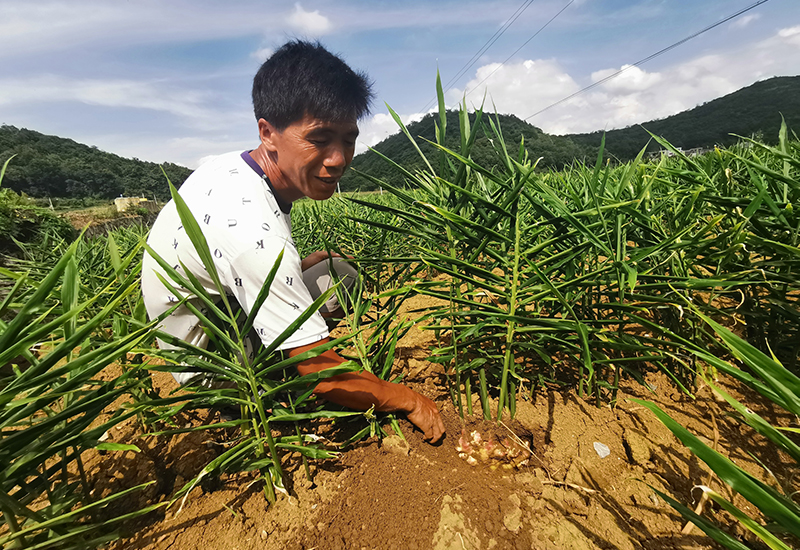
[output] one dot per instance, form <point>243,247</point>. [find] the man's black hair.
<point>304,78</point>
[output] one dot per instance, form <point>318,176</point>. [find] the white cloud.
<point>631,80</point>
<point>636,95</point>
<point>790,36</point>
<point>789,32</point>
<point>262,54</point>
<point>187,151</point>
<point>53,25</point>
<point>380,126</point>
<point>193,107</point>
<point>517,87</point>
<point>742,22</point>
<point>310,23</point>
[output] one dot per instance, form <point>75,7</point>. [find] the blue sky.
<point>169,80</point>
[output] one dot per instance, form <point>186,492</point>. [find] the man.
<point>307,102</point>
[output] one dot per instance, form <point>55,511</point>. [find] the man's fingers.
<point>426,418</point>
<point>436,432</point>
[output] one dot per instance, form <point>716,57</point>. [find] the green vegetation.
<point>24,225</point>
<point>575,277</point>
<point>50,166</point>
<point>778,386</point>
<point>752,111</point>
<point>60,328</point>
<point>565,268</point>
<point>556,151</point>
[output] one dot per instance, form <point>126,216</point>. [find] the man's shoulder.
<point>217,164</point>
<point>218,179</point>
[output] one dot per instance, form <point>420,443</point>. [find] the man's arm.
<point>316,257</point>
<point>362,390</point>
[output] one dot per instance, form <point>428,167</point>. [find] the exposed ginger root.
<point>505,453</point>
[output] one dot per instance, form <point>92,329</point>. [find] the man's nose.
<point>336,158</point>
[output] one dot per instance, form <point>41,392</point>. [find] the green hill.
<point>51,166</point>
<point>58,167</point>
<point>754,110</point>
<point>556,151</point>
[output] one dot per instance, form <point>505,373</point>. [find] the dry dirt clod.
<point>531,483</point>
<point>512,520</point>
<point>639,447</point>
<point>395,444</point>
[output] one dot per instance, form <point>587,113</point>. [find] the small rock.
<point>535,505</point>
<point>263,535</point>
<point>512,520</point>
<point>601,449</point>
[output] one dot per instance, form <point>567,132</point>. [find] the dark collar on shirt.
<point>286,207</point>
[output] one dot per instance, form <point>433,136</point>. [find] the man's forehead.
<point>311,124</point>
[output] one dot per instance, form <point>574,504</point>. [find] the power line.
<point>518,49</point>
<point>649,57</point>
<point>483,49</point>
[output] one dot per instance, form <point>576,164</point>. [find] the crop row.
<point>578,277</point>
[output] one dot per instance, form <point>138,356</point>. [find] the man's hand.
<point>316,257</point>
<point>362,390</point>
<point>425,416</point>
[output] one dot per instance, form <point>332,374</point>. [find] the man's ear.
<point>268,134</point>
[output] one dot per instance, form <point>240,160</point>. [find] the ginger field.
<point>614,349</point>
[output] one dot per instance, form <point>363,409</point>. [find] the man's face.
<point>311,156</point>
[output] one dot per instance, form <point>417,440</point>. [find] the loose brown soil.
<point>386,494</point>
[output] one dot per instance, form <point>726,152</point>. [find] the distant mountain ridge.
<point>755,109</point>
<point>59,167</point>
<point>556,151</point>
<point>52,166</point>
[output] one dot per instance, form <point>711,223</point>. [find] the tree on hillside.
<point>50,166</point>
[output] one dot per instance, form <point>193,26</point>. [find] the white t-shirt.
<point>246,229</point>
